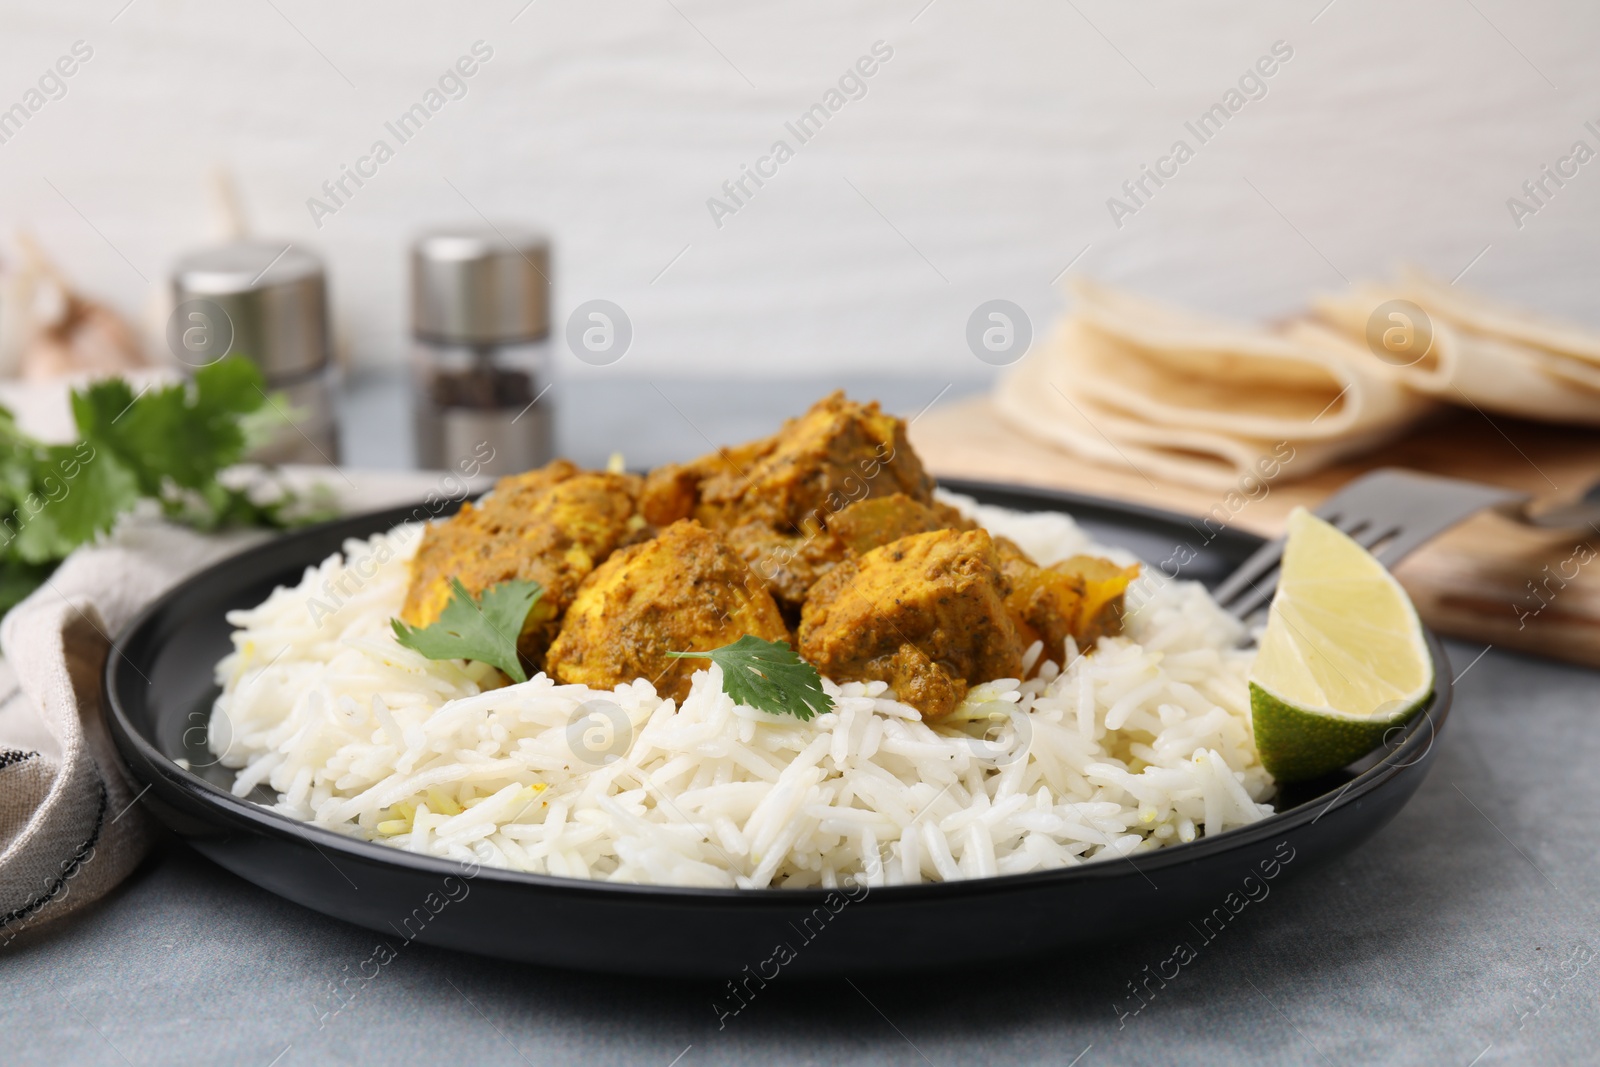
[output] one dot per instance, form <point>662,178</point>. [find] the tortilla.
<point>1483,358</point>
<point>1186,397</point>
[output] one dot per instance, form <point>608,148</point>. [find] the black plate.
<point>159,687</point>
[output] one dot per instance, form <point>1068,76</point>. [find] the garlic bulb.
<point>49,330</point>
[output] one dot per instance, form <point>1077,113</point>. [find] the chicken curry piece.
<point>774,499</point>
<point>687,590</point>
<point>875,521</point>
<point>1081,598</point>
<point>926,613</point>
<point>552,525</point>
<point>937,610</point>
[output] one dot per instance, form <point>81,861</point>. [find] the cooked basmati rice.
<point>1143,743</point>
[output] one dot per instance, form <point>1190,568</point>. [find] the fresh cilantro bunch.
<point>166,444</point>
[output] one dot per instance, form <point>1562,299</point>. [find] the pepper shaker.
<point>268,302</point>
<point>480,323</point>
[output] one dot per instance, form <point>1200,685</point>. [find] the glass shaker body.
<point>311,432</point>
<point>480,328</point>
<point>482,403</point>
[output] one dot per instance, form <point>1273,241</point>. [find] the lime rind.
<point>1296,745</point>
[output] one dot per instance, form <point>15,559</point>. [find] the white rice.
<point>1143,743</point>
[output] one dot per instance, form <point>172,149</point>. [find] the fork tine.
<point>1255,598</point>
<point>1393,510</point>
<point>1404,543</point>
<point>1249,575</point>
<point>1375,533</point>
<point>1253,584</point>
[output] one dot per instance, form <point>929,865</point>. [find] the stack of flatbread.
<point>1493,358</point>
<point>1187,398</point>
<point>1191,399</point>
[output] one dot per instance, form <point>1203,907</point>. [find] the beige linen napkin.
<point>70,824</point>
<point>1185,397</point>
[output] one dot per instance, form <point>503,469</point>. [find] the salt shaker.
<point>480,323</point>
<point>266,301</point>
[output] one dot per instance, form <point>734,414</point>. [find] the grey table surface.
<point>1460,934</point>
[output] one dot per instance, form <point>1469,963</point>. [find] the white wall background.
<point>990,142</point>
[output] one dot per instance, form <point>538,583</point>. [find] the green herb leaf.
<point>178,435</point>
<point>483,628</point>
<point>167,444</point>
<point>768,676</point>
<point>87,494</point>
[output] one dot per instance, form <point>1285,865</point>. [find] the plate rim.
<point>237,810</point>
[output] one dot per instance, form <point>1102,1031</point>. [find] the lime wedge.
<point>1343,659</point>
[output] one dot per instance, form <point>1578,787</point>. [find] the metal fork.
<point>1390,513</point>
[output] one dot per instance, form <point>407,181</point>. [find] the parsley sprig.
<point>484,628</point>
<point>768,676</point>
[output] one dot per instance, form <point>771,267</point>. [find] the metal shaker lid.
<point>480,286</point>
<point>275,297</point>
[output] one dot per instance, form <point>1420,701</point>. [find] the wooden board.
<point>1490,579</point>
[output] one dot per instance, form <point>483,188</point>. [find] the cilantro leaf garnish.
<point>484,628</point>
<point>768,676</point>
